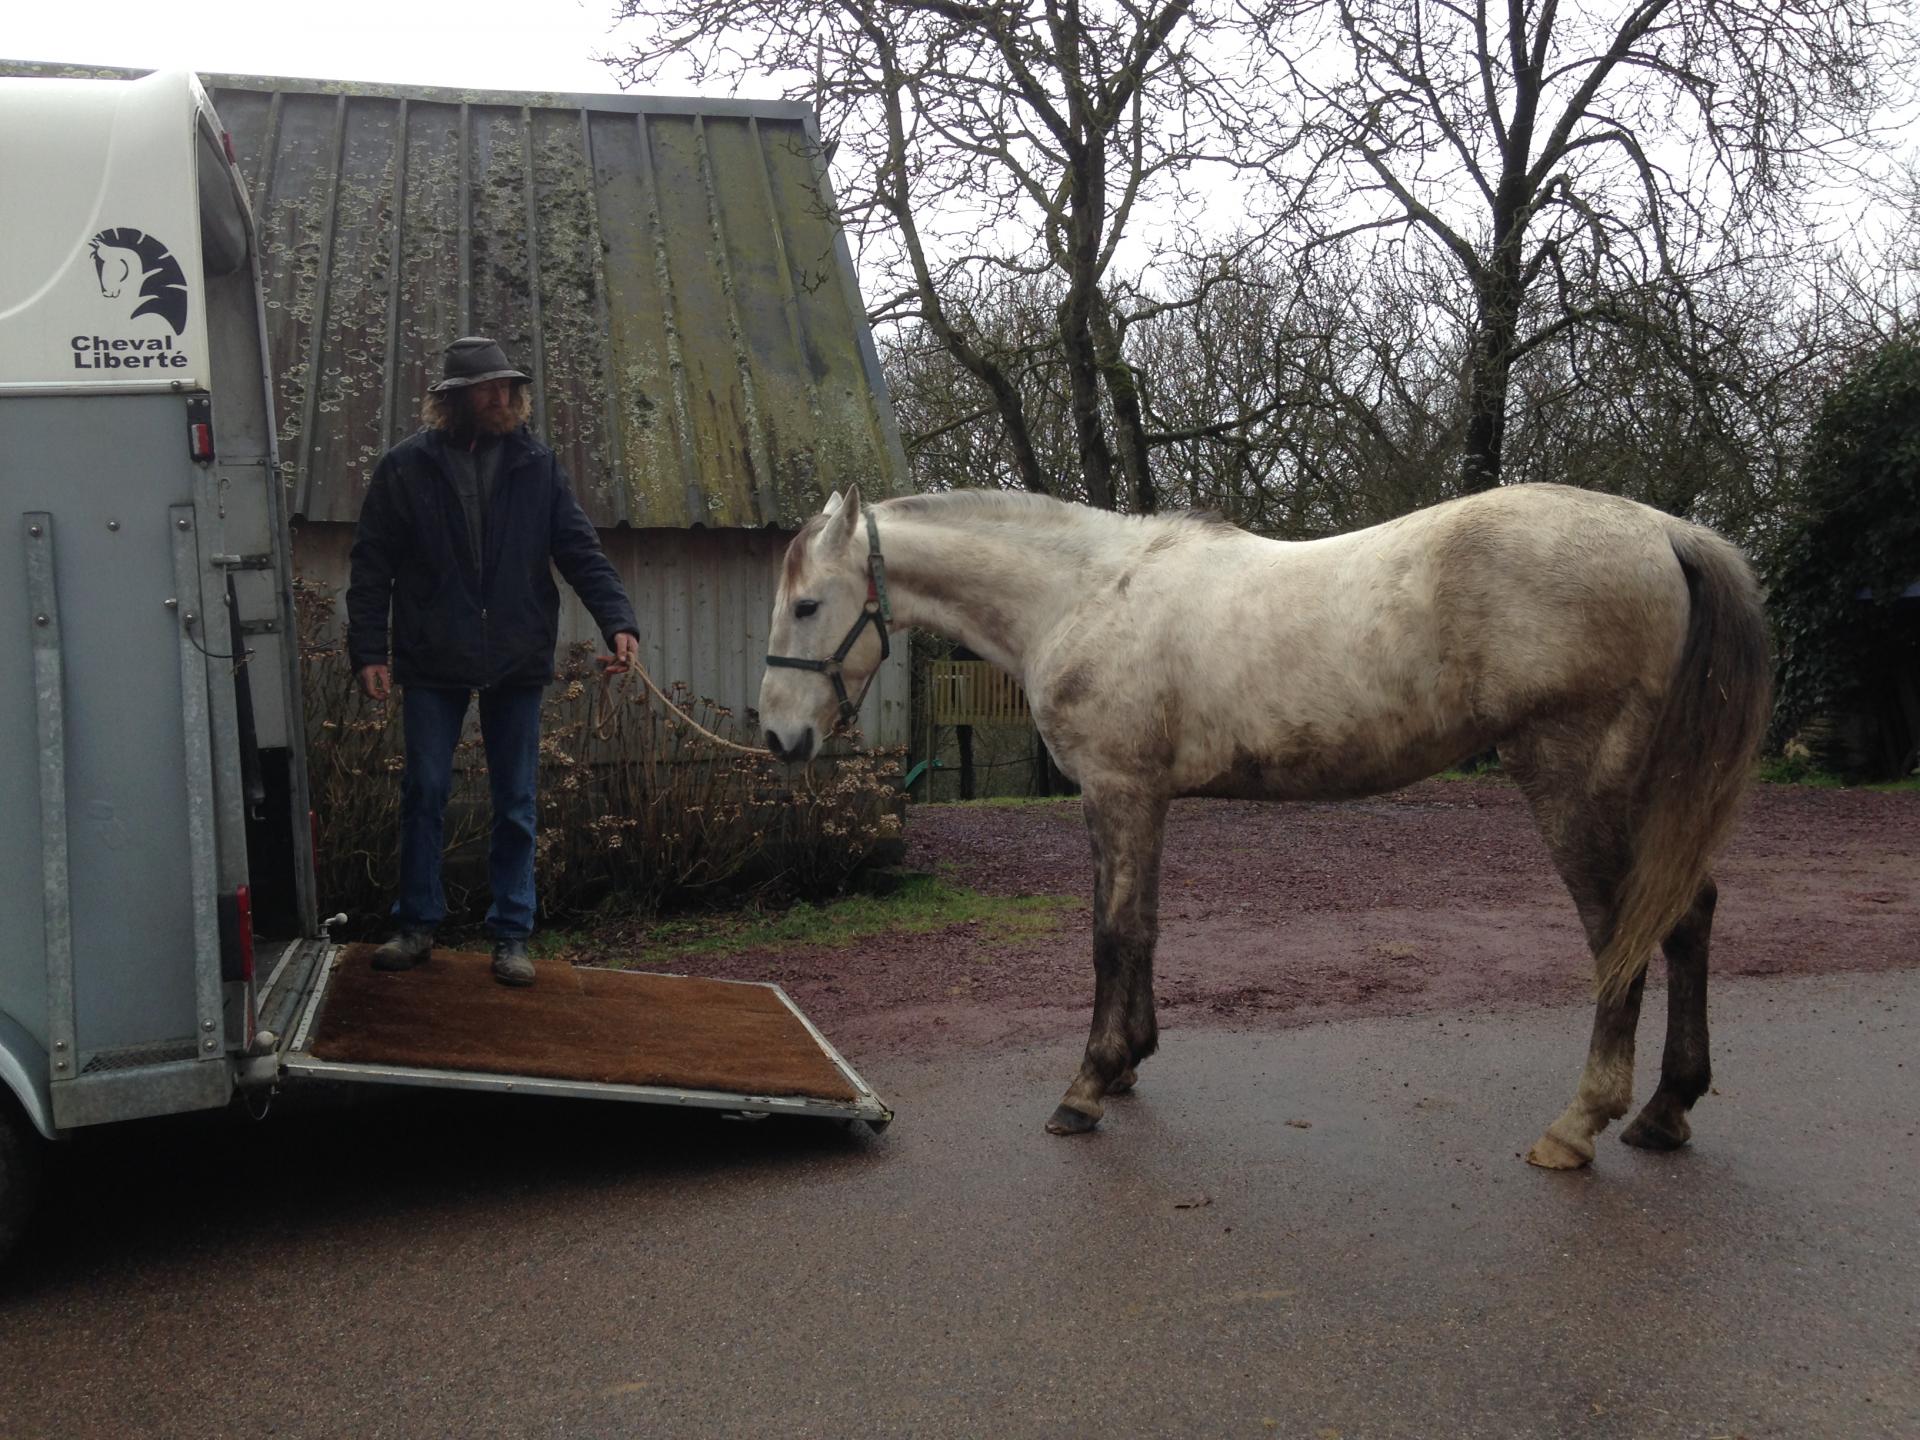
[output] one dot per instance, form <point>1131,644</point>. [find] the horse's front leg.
<point>1126,827</point>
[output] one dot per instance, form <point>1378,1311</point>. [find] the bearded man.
<point>460,532</point>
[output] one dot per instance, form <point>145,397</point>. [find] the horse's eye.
<point>803,608</point>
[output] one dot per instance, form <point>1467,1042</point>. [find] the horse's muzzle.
<point>802,747</point>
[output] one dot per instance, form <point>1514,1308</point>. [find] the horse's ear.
<point>832,505</point>
<point>843,514</point>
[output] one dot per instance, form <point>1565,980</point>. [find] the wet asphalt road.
<point>416,1265</point>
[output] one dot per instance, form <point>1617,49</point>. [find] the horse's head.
<point>820,656</point>
<point>113,266</point>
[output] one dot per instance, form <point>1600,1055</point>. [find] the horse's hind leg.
<point>1684,1069</point>
<point>1126,829</point>
<point>1606,1085</point>
<point>1583,818</point>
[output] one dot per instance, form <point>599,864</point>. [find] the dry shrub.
<point>639,809</point>
<point>638,812</point>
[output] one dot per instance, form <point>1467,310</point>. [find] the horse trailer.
<point>161,947</point>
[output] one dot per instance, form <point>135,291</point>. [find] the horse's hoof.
<point>1550,1152</point>
<point>1068,1121</point>
<point>1123,1083</point>
<point>1651,1132</point>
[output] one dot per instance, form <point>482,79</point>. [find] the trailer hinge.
<point>243,562</point>
<point>259,627</point>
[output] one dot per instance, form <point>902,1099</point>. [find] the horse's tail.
<point>1701,754</point>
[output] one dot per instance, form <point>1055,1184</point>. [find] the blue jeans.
<point>510,727</point>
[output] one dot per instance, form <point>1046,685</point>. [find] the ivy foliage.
<point>1860,533</point>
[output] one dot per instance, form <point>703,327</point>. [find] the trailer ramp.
<point>740,1046</point>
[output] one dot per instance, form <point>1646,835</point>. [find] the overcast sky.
<point>476,44</point>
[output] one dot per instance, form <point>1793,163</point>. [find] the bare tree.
<point>953,432</point>
<point>1298,402</point>
<point>1579,167</point>
<point>984,144</point>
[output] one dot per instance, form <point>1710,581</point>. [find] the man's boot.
<point>404,951</point>
<point>510,963</point>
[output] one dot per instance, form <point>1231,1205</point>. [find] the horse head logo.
<point>121,255</point>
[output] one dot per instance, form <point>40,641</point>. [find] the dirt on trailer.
<point>1437,898</point>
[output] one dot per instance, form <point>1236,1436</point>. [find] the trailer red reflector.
<point>236,935</point>
<point>200,428</point>
<point>226,143</point>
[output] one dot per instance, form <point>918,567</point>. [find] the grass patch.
<point>921,904</point>
<point>997,802</point>
<point>1782,770</point>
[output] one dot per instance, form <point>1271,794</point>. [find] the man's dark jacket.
<point>454,625</point>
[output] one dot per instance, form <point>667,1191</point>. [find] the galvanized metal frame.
<point>155,1090</point>
<point>49,694</point>
<point>217,635</point>
<point>868,1108</point>
<point>202,839</point>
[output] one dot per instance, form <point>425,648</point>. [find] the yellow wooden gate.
<point>975,692</point>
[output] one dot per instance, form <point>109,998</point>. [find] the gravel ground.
<point>1439,897</point>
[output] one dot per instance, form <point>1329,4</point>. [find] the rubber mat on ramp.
<point>611,1027</point>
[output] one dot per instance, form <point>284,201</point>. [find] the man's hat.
<point>474,359</point>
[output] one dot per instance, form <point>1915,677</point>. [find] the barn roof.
<point>667,269</point>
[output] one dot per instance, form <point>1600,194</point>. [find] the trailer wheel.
<point>20,1162</point>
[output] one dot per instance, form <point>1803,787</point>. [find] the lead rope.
<point>602,724</point>
<point>602,721</point>
<point>877,581</point>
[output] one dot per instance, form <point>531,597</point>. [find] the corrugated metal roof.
<point>666,269</point>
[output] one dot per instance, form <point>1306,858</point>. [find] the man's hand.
<point>375,681</point>
<point>626,654</point>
